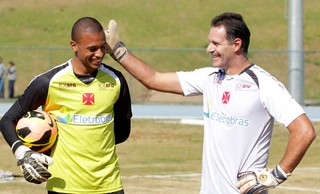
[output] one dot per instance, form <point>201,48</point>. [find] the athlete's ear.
<point>237,44</point>
<point>74,46</point>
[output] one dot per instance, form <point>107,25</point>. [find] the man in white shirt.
<point>241,101</point>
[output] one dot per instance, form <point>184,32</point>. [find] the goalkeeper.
<point>241,103</point>
<point>91,104</point>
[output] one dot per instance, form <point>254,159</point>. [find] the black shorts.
<point>117,192</point>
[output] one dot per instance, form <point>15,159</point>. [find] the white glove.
<point>253,182</point>
<point>116,48</point>
<point>33,165</point>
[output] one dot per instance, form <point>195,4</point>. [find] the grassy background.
<point>28,28</point>
<point>164,156</point>
<point>156,23</point>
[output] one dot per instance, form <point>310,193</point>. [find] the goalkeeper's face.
<point>220,48</point>
<point>90,49</point>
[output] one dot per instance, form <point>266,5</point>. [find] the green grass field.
<point>31,30</point>
<point>164,156</point>
<point>160,156</point>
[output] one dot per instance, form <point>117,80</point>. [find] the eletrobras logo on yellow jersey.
<point>81,119</point>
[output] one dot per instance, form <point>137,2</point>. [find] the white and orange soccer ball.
<point>37,130</point>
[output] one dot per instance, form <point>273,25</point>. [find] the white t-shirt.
<point>239,113</point>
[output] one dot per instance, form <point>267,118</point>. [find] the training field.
<point>164,156</point>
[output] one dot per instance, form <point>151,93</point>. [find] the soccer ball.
<point>37,130</point>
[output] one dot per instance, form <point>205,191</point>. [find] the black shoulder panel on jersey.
<point>253,76</point>
<point>36,93</point>
<point>33,97</point>
<point>122,110</point>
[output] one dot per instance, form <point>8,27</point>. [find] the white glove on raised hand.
<point>33,165</point>
<point>253,182</point>
<point>116,48</point>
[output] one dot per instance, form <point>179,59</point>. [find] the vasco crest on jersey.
<point>226,97</point>
<point>88,98</point>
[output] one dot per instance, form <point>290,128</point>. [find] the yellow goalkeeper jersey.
<point>85,159</point>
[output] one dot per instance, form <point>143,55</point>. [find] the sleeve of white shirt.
<point>279,103</point>
<point>192,81</point>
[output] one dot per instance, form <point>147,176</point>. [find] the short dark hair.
<point>235,28</point>
<point>11,63</point>
<point>85,24</point>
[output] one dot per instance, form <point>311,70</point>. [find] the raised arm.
<point>152,79</point>
<point>149,77</point>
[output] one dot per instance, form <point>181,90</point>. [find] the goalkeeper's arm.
<point>302,133</point>
<point>33,164</point>
<point>149,77</point>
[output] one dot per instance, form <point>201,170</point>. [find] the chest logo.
<point>88,98</point>
<point>225,97</point>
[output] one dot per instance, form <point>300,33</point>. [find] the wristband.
<point>21,150</point>
<point>119,51</point>
<point>279,174</point>
<point>15,145</point>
